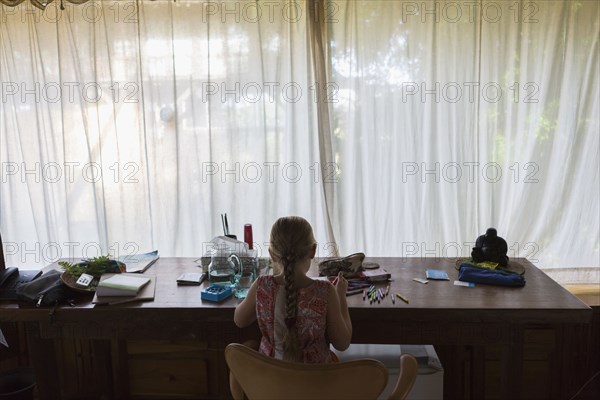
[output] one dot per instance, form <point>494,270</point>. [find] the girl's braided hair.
<point>291,240</point>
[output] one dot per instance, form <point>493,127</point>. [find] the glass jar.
<point>222,270</point>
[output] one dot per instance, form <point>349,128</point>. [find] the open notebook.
<point>139,262</point>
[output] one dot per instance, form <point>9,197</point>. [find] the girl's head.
<point>291,241</point>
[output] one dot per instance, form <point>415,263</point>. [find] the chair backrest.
<point>409,368</point>
<point>263,377</point>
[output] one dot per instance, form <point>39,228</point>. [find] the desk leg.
<point>511,379</point>
<point>121,379</point>
<point>452,358</point>
<point>478,373</point>
<point>102,359</point>
<point>464,371</point>
<point>571,361</point>
<point>43,361</point>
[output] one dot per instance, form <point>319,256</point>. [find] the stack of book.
<point>124,288</point>
<point>121,285</point>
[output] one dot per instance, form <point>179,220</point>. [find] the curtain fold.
<point>328,174</point>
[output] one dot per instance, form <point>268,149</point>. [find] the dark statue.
<point>490,247</point>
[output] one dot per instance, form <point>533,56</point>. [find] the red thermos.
<point>248,235</point>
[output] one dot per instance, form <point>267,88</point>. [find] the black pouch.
<point>47,290</point>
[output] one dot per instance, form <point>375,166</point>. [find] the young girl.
<point>297,316</point>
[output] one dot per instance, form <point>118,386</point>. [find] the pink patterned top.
<point>311,319</point>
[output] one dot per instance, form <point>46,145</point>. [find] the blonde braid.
<point>292,239</point>
<point>290,340</point>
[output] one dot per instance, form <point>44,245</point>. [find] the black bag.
<point>47,290</point>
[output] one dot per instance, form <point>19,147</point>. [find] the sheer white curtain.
<point>168,114</point>
<point>454,117</point>
<point>392,145</point>
<point>546,136</point>
<point>132,125</point>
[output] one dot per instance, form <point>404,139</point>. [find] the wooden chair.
<point>261,377</point>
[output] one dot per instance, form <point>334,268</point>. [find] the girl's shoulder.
<point>266,281</point>
<point>322,282</point>
<point>266,287</point>
<point>321,286</point>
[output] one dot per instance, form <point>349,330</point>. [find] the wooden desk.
<point>491,340</point>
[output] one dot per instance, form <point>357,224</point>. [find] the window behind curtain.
<point>446,117</point>
<point>169,114</point>
<point>454,117</point>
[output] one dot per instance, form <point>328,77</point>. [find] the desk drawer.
<point>164,369</point>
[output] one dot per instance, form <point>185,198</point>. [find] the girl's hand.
<point>341,285</point>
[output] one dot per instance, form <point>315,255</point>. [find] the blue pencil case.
<point>216,293</point>
<point>489,277</point>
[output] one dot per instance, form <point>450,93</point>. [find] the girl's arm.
<point>339,326</point>
<point>245,312</point>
